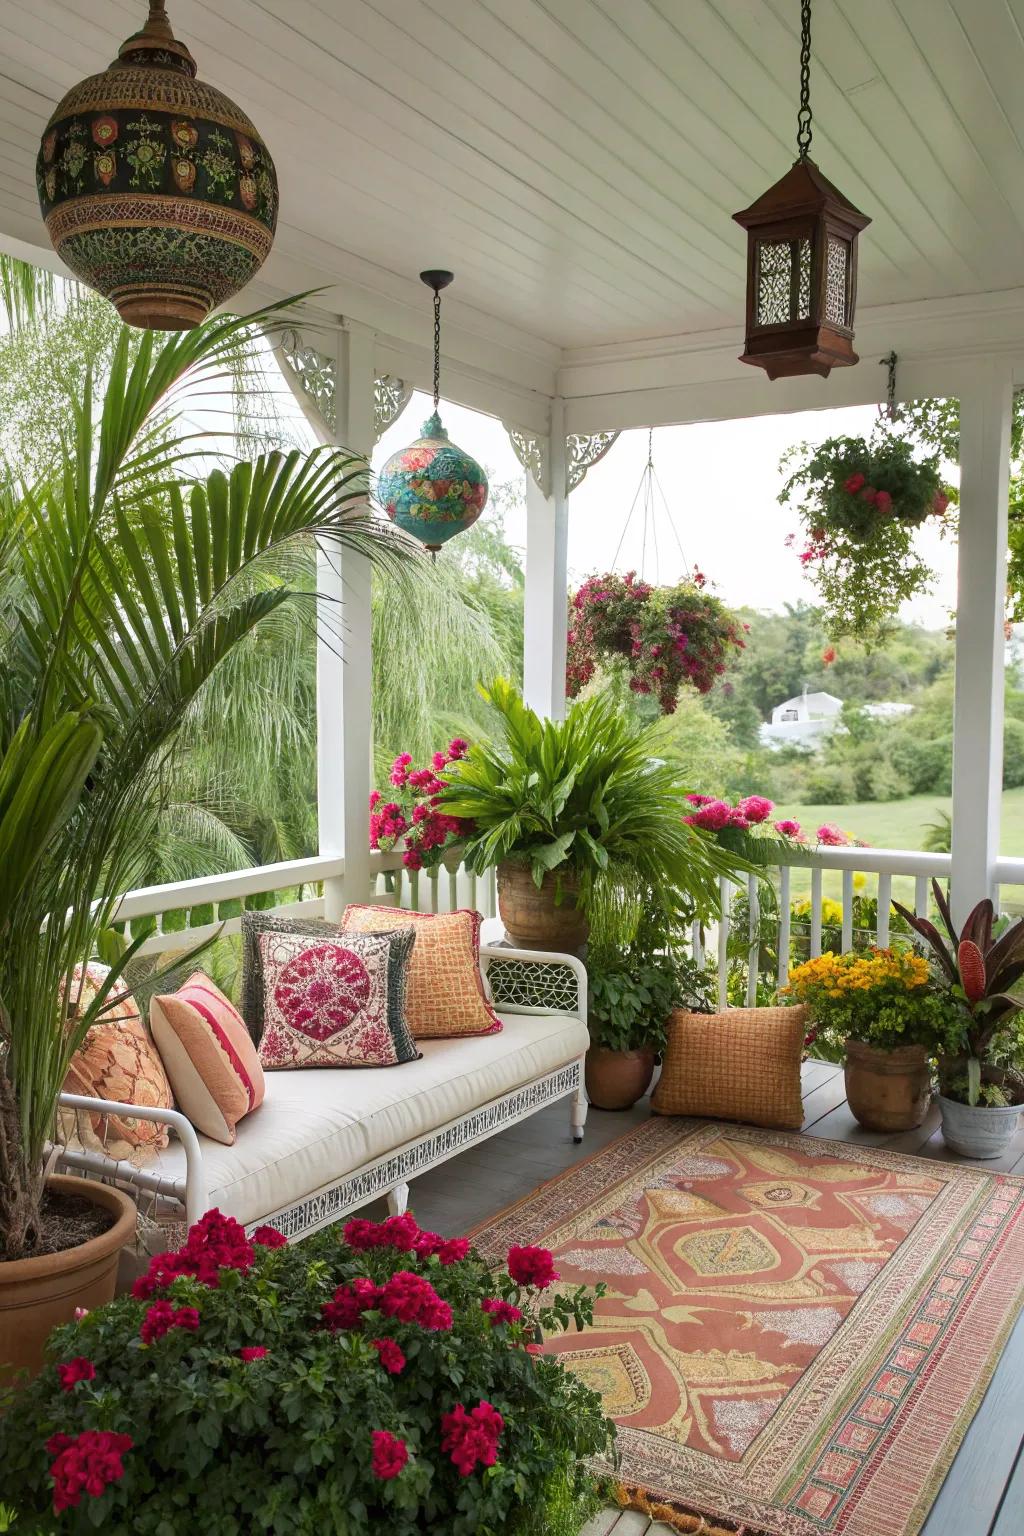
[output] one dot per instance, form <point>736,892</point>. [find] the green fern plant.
<point>587,797</point>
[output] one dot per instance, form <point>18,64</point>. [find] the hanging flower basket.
<point>860,501</point>
<point>663,637</point>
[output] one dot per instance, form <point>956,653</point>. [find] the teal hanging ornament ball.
<point>432,489</point>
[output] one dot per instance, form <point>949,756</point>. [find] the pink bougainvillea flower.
<point>532,1267</point>
<point>162,1317</point>
<point>389,1454</point>
<point>345,1311</point>
<point>410,1298</point>
<point>269,1237</point>
<point>756,808</point>
<point>788,828</point>
<point>389,1355</point>
<point>883,502</point>
<point>832,836</point>
<point>711,817</point>
<point>500,1311</point>
<point>89,1463</point>
<point>253,1352</point>
<point>853,484</point>
<point>471,1439</point>
<point>828,655</point>
<point>700,799</point>
<point>214,1243</point>
<point>74,1371</point>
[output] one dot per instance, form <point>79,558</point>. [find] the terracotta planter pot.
<point>37,1294</point>
<point>887,1090</point>
<point>616,1079</point>
<point>531,918</point>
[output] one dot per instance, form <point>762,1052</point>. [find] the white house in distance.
<point>807,718</point>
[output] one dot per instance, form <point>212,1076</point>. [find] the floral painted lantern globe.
<point>432,489</point>
<point>156,189</point>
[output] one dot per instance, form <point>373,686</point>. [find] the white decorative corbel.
<point>582,452</point>
<point>390,398</point>
<point>531,449</point>
<point>313,375</point>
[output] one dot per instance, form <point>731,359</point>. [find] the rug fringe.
<point>687,1522</point>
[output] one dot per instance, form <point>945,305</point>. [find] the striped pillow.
<point>213,1066</point>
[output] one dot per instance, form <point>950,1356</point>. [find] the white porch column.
<point>985,407</point>
<point>344,726</point>
<point>545,618</point>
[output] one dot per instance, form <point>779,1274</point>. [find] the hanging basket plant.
<point>663,637</point>
<point>860,501</point>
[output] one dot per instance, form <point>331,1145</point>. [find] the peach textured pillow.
<point>743,1064</point>
<point>212,1063</point>
<point>116,1060</point>
<point>445,995</point>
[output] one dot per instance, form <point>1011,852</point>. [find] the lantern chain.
<point>437,349</point>
<point>803,117</point>
<point>889,413</point>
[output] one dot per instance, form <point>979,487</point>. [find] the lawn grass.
<point>903,823</point>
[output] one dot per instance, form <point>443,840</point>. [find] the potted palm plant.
<point>981,1067</point>
<point>119,598</point>
<point>575,813</point>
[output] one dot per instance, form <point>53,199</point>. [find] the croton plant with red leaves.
<point>375,1377</point>
<point>663,637</point>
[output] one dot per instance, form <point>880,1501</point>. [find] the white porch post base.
<point>344,718</point>
<point>398,1200</point>
<point>985,407</point>
<point>545,617</point>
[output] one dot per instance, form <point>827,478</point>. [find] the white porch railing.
<point>752,956</point>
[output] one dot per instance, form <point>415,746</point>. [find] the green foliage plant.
<point>860,502</point>
<point>880,997</point>
<point>129,593</point>
<point>586,797</point>
<point>253,1393</point>
<point>635,985</point>
<point>981,970</point>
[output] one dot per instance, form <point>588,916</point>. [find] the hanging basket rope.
<point>648,494</point>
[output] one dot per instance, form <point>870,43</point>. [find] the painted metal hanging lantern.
<point>156,189</point>
<point>432,489</point>
<point>801,260</point>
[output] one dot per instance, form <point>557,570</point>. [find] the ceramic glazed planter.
<point>38,1294</point>
<point>156,189</point>
<point>532,919</point>
<point>978,1131</point>
<point>616,1079</point>
<point>887,1090</point>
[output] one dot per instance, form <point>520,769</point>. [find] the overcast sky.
<point>720,482</point>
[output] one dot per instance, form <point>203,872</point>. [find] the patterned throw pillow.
<point>328,1001</point>
<point>743,1064</point>
<point>116,1060</point>
<point>446,991</point>
<point>213,1066</point>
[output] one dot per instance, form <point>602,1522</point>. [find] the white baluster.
<point>453,889</point>
<point>815,913</point>
<point>884,903</point>
<point>784,921</point>
<point>433,875</point>
<point>414,890</point>
<point>847,910</point>
<point>753,946</point>
<point>921,896</point>
<point>725,897</point>
<point>696,943</point>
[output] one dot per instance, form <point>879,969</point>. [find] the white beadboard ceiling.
<point>577,162</point>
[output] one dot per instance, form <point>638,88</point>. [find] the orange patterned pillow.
<point>117,1060</point>
<point>743,1064</point>
<point>212,1063</point>
<point>445,995</point>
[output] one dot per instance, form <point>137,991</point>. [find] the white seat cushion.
<point>318,1124</point>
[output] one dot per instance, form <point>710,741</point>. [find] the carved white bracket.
<point>316,374</point>
<point>390,398</point>
<point>582,453</point>
<point>532,452</point>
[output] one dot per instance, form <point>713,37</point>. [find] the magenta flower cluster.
<point>413,815</point>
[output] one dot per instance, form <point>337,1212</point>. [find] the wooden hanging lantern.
<point>801,261</point>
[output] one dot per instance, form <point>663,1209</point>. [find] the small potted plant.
<point>981,1064</point>
<point>571,811</point>
<point>380,1379</point>
<point>881,1010</point>
<point>632,994</point>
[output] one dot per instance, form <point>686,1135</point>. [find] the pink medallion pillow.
<point>212,1063</point>
<point>116,1060</point>
<point>329,1001</point>
<point>446,992</point>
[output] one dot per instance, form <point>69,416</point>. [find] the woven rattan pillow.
<point>743,1064</point>
<point>446,992</point>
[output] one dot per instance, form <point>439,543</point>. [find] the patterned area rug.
<point>796,1334</point>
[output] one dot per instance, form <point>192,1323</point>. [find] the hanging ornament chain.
<point>437,349</point>
<point>803,117</point>
<point>888,412</point>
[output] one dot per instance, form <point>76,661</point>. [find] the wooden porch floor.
<point>983,1494</point>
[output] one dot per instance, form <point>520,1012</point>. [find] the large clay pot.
<point>978,1131</point>
<point>531,918</point>
<point>616,1079</point>
<point>887,1090</point>
<point>37,1294</point>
